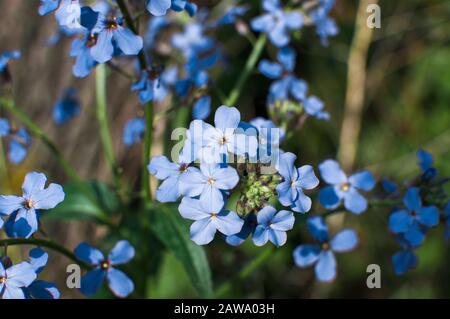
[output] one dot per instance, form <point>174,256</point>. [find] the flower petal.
<point>120,284</point>
<point>127,41</point>
<point>328,198</point>
<point>363,180</point>
<point>344,241</point>
<point>202,231</point>
<point>428,216</point>
<point>412,199</point>
<point>331,172</point>
<point>10,203</point>
<point>228,223</point>
<point>122,253</point>
<point>48,198</point>
<point>89,254</point>
<point>354,201</point>
<point>306,255</point>
<point>92,281</point>
<point>227,118</point>
<point>317,228</point>
<point>33,183</point>
<point>400,221</point>
<point>326,266</point>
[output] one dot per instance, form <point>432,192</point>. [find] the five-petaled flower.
<point>13,279</point>
<point>414,219</point>
<point>209,216</point>
<point>35,197</point>
<point>290,191</point>
<point>272,226</point>
<point>344,188</point>
<point>118,282</point>
<point>322,254</point>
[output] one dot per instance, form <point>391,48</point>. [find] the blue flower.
<point>67,107</point>
<point>447,221</point>
<point>202,108</point>
<point>426,164</point>
<point>290,191</point>
<point>146,86</point>
<point>118,282</point>
<point>322,254</point>
<point>40,289</point>
<point>171,174</point>
<point>325,26</point>
<point>209,216</point>
<point>314,107</point>
<point>69,14</point>
<point>5,128</point>
<point>48,6</point>
<point>277,23</point>
<point>343,188</point>
<point>134,130</point>
<point>81,50</point>
<point>272,226</point>
<point>286,83</point>
<point>108,31</point>
<point>249,227</point>
<point>154,27</point>
<point>405,259</point>
<point>224,138</point>
<point>14,278</point>
<point>7,56</point>
<point>158,7</point>
<point>230,16</point>
<point>192,41</point>
<point>208,182</point>
<point>414,219</point>
<point>35,197</point>
<point>18,146</point>
<point>389,186</point>
<point>184,5</point>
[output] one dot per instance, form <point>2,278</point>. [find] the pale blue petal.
<point>119,283</point>
<point>354,201</point>
<point>332,173</point>
<point>344,241</point>
<point>326,266</point>
<point>89,254</point>
<point>227,118</point>
<point>306,255</point>
<point>412,199</point>
<point>363,180</point>
<point>127,41</point>
<point>317,228</point>
<point>122,253</point>
<point>48,198</point>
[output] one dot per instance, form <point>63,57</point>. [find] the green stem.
<point>148,138</point>
<point>39,133</point>
<point>47,244</point>
<point>249,66</point>
<point>245,272</point>
<point>102,118</point>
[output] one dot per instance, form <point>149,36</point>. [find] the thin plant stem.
<point>248,69</point>
<point>102,118</point>
<point>47,244</point>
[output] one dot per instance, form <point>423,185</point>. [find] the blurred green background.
<point>406,106</point>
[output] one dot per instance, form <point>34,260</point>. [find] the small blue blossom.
<point>192,41</point>
<point>35,197</point>
<point>426,164</point>
<point>202,108</point>
<point>118,281</point>
<point>40,289</point>
<point>322,254</point>
<point>209,217</point>
<point>447,221</point>
<point>7,56</point>
<point>277,23</point>
<point>414,219</point>
<point>67,107</point>
<point>69,14</point>
<point>171,173</point>
<point>325,26</point>
<point>224,138</point>
<point>146,87</point>
<point>295,180</point>
<point>14,278</point>
<point>343,188</point>
<point>405,259</point>
<point>134,130</point>
<point>272,226</point>
<point>5,128</point>
<point>154,27</point>
<point>184,5</point>
<point>314,107</point>
<point>286,84</point>
<point>81,50</point>
<point>158,7</point>
<point>109,32</point>
<point>208,182</point>
<point>18,146</point>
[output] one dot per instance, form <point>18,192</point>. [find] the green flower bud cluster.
<point>256,190</point>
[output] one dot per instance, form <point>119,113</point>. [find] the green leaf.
<point>85,201</point>
<point>173,232</point>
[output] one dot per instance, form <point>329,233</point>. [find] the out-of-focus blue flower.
<point>222,139</point>
<point>314,107</point>
<point>158,7</point>
<point>343,188</point>
<point>67,107</point>
<point>171,173</point>
<point>146,87</point>
<point>7,56</point>
<point>154,27</point>
<point>290,191</point>
<point>13,279</point>
<point>285,84</point>
<point>110,31</point>
<point>202,108</point>
<point>405,259</point>
<point>208,182</point>
<point>134,130</point>
<point>48,6</point>
<point>414,219</point>
<point>389,186</point>
<point>209,216</point>
<point>81,50</point>
<point>277,23</point>
<point>426,164</point>
<point>192,41</point>
<point>35,197</point>
<point>5,128</point>
<point>325,26</point>
<point>68,14</point>
<point>184,5</point>
<point>40,289</point>
<point>118,282</point>
<point>18,146</point>
<point>272,226</point>
<point>322,254</point>
<point>230,16</point>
